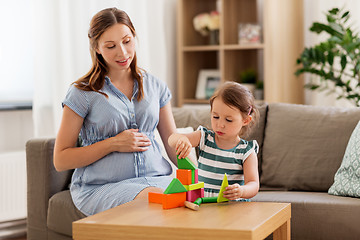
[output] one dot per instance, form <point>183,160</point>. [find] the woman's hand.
<point>131,140</point>
<point>233,192</point>
<point>183,147</point>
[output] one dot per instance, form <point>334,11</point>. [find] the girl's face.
<point>227,121</point>
<point>117,47</point>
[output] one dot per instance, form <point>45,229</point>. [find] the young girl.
<point>233,114</point>
<point>115,107</point>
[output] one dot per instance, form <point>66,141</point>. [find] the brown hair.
<point>236,95</point>
<point>94,80</point>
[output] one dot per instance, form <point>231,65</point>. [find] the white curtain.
<point>62,49</point>
<point>315,11</point>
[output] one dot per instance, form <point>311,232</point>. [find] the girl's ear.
<point>247,120</point>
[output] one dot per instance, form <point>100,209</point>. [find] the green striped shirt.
<point>214,162</point>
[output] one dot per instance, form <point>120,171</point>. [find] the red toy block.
<point>184,175</point>
<point>196,176</point>
<point>174,200</point>
<point>192,195</point>
<point>155,197</point>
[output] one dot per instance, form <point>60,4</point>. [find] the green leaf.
<point>334,11</point>
<point>343,62</point>
<point>330,58</point>
<point>345,14</point>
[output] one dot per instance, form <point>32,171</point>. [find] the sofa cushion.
<point>347,178</point>
<point>317,215</point>
<point>62,212</point>
<point>304,145</point>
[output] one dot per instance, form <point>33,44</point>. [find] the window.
<point>16,51</point>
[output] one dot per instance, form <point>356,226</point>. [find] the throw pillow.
<point>347,178</point>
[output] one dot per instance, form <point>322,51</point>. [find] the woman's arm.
<point>68,156</point>
<point>251,186</point>
<point>166,127</point>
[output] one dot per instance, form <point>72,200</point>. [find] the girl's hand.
<point>183,147</point>
<point>233,192</point>
<point>131,140</point>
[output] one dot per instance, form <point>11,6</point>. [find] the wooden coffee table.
<point>230,220</point>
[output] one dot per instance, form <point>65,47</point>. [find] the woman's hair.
<point>95,78</point>
<point>237,96</point>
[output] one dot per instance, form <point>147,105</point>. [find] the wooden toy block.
<point>185,176</point>
<point>198,201</point>
<point>194,186</point>
<point>191,205</point>
<point>155,197</point>
<point>185,163</point>
<point>209,199</point>
<point>196,176</point>
<point>175,187</point>
<point>173,200</point>
<point>192,195</point>
<point>224,184</point>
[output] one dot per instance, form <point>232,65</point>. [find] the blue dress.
<point>119,176</point>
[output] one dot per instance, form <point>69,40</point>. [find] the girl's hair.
<point>237,96</point>
<point>94,80</point>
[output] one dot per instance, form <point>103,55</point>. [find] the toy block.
<point>192,195</point>
<point>198,201</point>
<point>173,200</point>
<point>194,186</point>
<point>155,197</point>
<point>191,205</point>
<point>185,176</point>
<point>185,163</point>
<point>209,199</point>
<point>224,184</point>
<point>175,187</point>
<point>195,176</point>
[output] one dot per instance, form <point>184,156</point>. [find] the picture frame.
<point>249,33</point>
<point>208,81</point>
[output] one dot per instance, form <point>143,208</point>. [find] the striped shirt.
<point>214,162</point>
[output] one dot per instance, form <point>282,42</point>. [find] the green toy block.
<point>224,184</point>
<point>209,199</point>
<point>185,163</point>
<point>198,201</point>
<point>175,187</point>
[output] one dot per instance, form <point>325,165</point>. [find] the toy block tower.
<point>188,175</point>
<point>185,187</point>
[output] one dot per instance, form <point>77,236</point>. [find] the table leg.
<point>283,232</point>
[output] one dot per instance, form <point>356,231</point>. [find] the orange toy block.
<point>184,175</point>
<point>155,197</point>
<point>173,200</point>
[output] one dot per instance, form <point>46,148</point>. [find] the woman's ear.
<point>247,120</point>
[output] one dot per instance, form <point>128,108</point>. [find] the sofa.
<point>301,148</point>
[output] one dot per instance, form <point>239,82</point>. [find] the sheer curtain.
<point>315,11</point>
<point>62,49</point>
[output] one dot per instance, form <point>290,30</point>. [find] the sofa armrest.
<point>43,181</point>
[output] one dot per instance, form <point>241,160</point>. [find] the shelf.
<point>201,48</point>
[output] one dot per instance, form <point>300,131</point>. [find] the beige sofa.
<point>301,148</point>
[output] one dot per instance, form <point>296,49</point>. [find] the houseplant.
<point>335,61</point>
<point>248,79</point>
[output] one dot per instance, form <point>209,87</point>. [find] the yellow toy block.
<point>194,186</point>
<point>224,184</point>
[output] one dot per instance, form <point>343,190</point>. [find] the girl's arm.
<point>166,127</point>
<point>68,156</point>
<point>251,186</point>
<point>184,142</point>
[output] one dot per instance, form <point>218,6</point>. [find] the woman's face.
<point>117,47</point>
